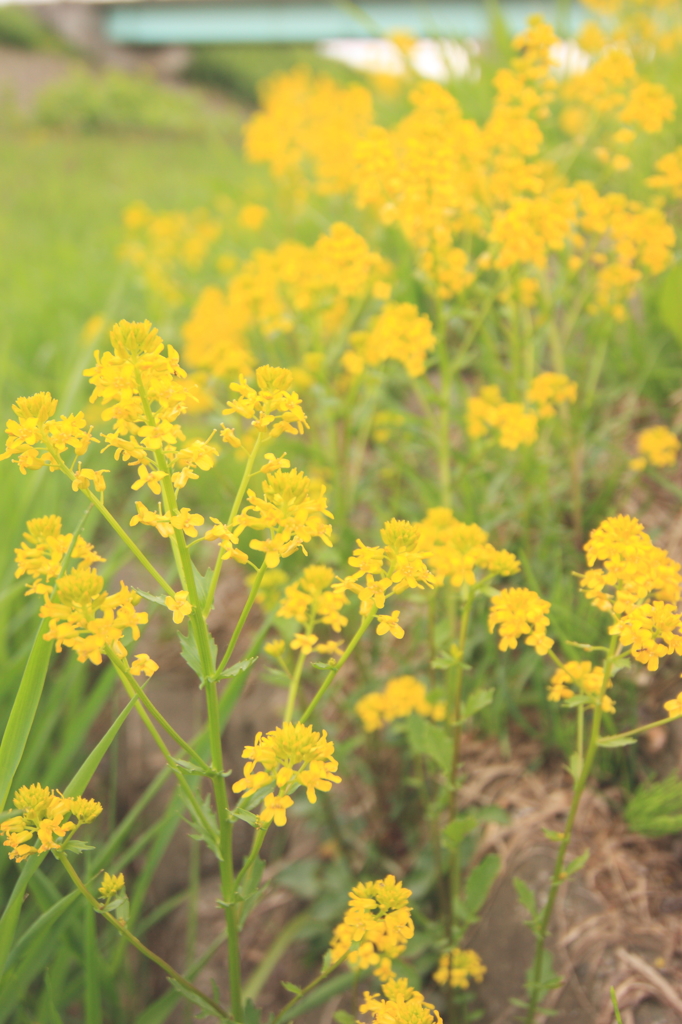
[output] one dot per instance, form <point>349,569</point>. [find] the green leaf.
<point>670,301</point>
<point>555,837</point>
<point>575,765</point>
<point>251,1014</point>
<point>620,663</point>
<point>239,666</point>
<point>342,1017</point>
<point>203,584</point>
<point>194,769</point>
<point>616,741</point>
<point>294,989</point>
<point>576,864</point>
<point>242,814</point>
<point>526,896</point>
<point>480,881</point>
<point>75,846</point>
<point>428,740</point>
<point>476,701</point>
<point>655,809</point>
<point>154,598</point>
<point>443,660</point>
<point>456,830</point>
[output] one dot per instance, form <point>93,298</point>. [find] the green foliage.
<point>655,809</point>
<point>86,101</point>
<point>21,28</point>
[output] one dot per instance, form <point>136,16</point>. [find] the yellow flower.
<point>303,642</point>
<point>520,612</point>
<point>179,605</point>
<point>457,966</point>
<point>390,624</point>
<point>275,648</point>
<point>111,884</point>
<point>401,1005</point>
<point>187,522</point>
<point>657,445</point>
<point>379,918</point>
<point>252,216</point>
<point>41,816</point>
<point>674,706</point>
<point>271,408</point>
<point>488,411</point>
<point>85,477</point>
<point>401,697</point>
<point>291,756</point>
<point>582,674</point>
<point>144,665</point>
<point>548,390</point>
<point>669,177</point>
<point>400,332</point>
<point>457,549</point>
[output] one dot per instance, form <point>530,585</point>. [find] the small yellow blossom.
<point>401,697</point>
<point>674,706</point>
<point>179,605</point>
<point>379,919</point>
<point>252,216</point>
<point>457,966</point>
<point>111,884</point>
<point>303,642</point>
<point>275,648</point>
<point>143,665</point>
<point>390,624</point>
<point>42,814</point>
<point>656,445</point>
<point>520,612</point>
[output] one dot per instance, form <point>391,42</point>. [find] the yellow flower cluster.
<point>444,179</point>
<point>111,884</point>
<point>82,615</point>
<point>42,551</point>
<point>379,920</point>
<point>674,706</point>
<point>306,121</point>
<point>520,612</point>
<point>669,176</point>
<point>516,424</point>
<point>310,601</point>
<point>401,1004</point>
<point>45,815</point>
<point>457,549</point>
<point>587,679</point>
<point>398,565</point>
<point>35,439</point>
<point>657,446</point>
<point>274,289</point>
<point>163,246</point>
<point>144,390</point>
<point>272,408</point>
<point>399,332</point>
<point>400,698</point>
<point>634,572</point>
<point>290,756</point>
<point>457,966</point>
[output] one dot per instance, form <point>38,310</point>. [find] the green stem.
<point>608,740</point>
<point>313,984</point>
<point>255,587</point>
<point>329,678</point>
<point>115,525</point>
<point>236,504</point>
<point>123,670</point>
<point>557,875</point>
<point>168,757</point>
<point>133,940</point>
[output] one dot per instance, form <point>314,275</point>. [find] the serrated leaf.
<point>154,598</point>
<point>239,666</point>
<point>75,846</point>
<point>479,882</point>
<point>428,740</point>
<point>194,769</point>
<point>242,814</point>
<point>616,741</point>
<point>526,895</point>
<point>576,864</point>
<point>294,989</point>
<point>457,830</point>
<point>476,701</point>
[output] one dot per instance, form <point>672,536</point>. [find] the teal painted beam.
<point>159,24</point>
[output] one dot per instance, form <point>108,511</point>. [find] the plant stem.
<point>115,525</point>
<point>313,984</point>
<point>329,678</point>
<point>255,587</point>
<point>557,874</point>
<point>236,504</point>
<point>133,940</point>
